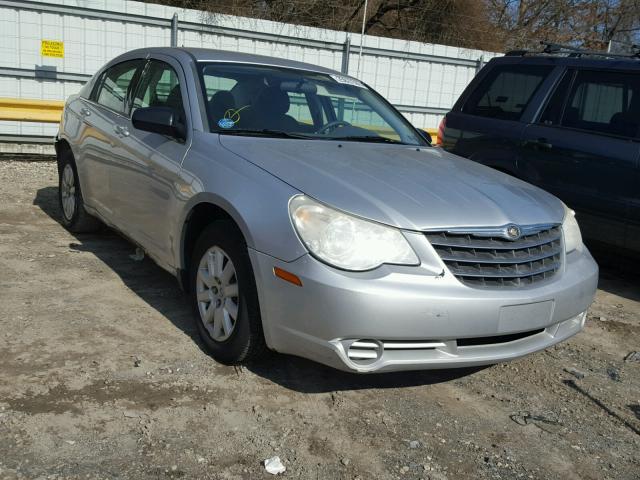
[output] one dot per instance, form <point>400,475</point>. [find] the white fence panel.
<point>422,80</point>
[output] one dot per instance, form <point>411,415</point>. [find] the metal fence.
<point>421,80</point>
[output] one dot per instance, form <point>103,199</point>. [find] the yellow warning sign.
<point>52,48</point>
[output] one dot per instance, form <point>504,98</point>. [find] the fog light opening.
<point>364,351</point>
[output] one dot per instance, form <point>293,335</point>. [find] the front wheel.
<point>74,216</point>
<point>224,297</point>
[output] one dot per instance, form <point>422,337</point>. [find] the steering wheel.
<point>332,126</point>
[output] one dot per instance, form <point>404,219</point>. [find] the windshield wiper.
<point>264,132</point>
<point>367,138</point>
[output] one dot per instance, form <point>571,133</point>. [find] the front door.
<point>146,183</point>
<point>489,125</point>
<point>584,150</point>
<point>633,227</point>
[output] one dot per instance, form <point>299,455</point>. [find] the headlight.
<point>572,236</point>
<point>345,241</point>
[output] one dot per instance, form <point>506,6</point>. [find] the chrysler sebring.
<point>302,213</point>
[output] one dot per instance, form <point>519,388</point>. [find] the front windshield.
<point>271,101</point>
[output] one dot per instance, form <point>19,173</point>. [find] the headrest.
<point>272,100</point>
<point>223,97</point>
<point>219,103</point>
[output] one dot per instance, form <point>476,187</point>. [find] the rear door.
<point>487,124</point>
<point>101,146</point>
<point>583,149</point>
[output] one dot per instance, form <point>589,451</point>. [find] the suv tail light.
<point>440,137</point>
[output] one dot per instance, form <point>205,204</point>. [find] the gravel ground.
<point>102,376</point>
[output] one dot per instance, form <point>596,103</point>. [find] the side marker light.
<point>287,276</point>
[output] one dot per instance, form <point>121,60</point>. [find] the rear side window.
<point>604,102</point>
<point>114,87</point>
<point>506,91</point>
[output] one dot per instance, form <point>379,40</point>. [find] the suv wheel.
<point>74,216</point>
<point>224,296</point>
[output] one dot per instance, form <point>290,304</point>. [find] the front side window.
<point>159,87</point>
<point>114,88</point>
<point>262,100</point>
<point>604,102</point>
<point>506,91</point>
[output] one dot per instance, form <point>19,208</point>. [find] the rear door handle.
<point>85,112</point>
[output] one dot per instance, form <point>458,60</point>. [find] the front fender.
<point>256,200</point>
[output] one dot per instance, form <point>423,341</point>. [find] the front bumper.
<point>414,319</point>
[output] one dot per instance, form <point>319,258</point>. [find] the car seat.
<point>219,103</point>
<point>270,111</point>
<point>626,123</point>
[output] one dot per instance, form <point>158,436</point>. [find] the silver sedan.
<point>302,213</point>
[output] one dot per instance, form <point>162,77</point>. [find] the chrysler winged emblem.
<point>513,232</point>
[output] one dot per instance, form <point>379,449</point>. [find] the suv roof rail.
<point>551,48</point>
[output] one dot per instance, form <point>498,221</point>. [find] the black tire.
<point>79,221</point>
<point>246,341</point>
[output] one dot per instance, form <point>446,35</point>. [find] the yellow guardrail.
<point>48,111</point>
<point>433,132</point>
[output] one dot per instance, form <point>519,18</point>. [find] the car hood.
<point>407,187</point>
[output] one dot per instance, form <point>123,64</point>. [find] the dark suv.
<point>569,124</point>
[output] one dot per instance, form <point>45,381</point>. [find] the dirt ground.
<point>102,376</point>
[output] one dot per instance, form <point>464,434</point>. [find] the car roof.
<point>212,55</point>
<point>584,62</point>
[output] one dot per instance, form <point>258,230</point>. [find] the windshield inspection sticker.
<point>347,80</point>
<point>231,118</point>
<point>226,123</point>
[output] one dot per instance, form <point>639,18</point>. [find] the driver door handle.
<point>540,143</point>
<point>121,130</point>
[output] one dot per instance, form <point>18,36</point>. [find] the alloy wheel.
<point>68,192</point>
<point>217,293</point>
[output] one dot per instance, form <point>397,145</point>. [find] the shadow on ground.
<point>160,290</point>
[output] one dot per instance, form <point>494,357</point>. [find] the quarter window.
<point>506,91</point>
<point>115,85</point>
<point>604,102</point>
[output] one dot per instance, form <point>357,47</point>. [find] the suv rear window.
<point>604,102</point>
<point>506,91</point>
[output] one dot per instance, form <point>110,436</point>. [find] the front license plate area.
<point>527,316</point>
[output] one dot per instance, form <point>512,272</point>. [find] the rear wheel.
<point>74,216</point>
<point>224,297</point>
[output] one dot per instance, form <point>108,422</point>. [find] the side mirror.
<point>162,120</point>
<point>426,136</point>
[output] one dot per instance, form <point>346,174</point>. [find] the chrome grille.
<point>480,260</point>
